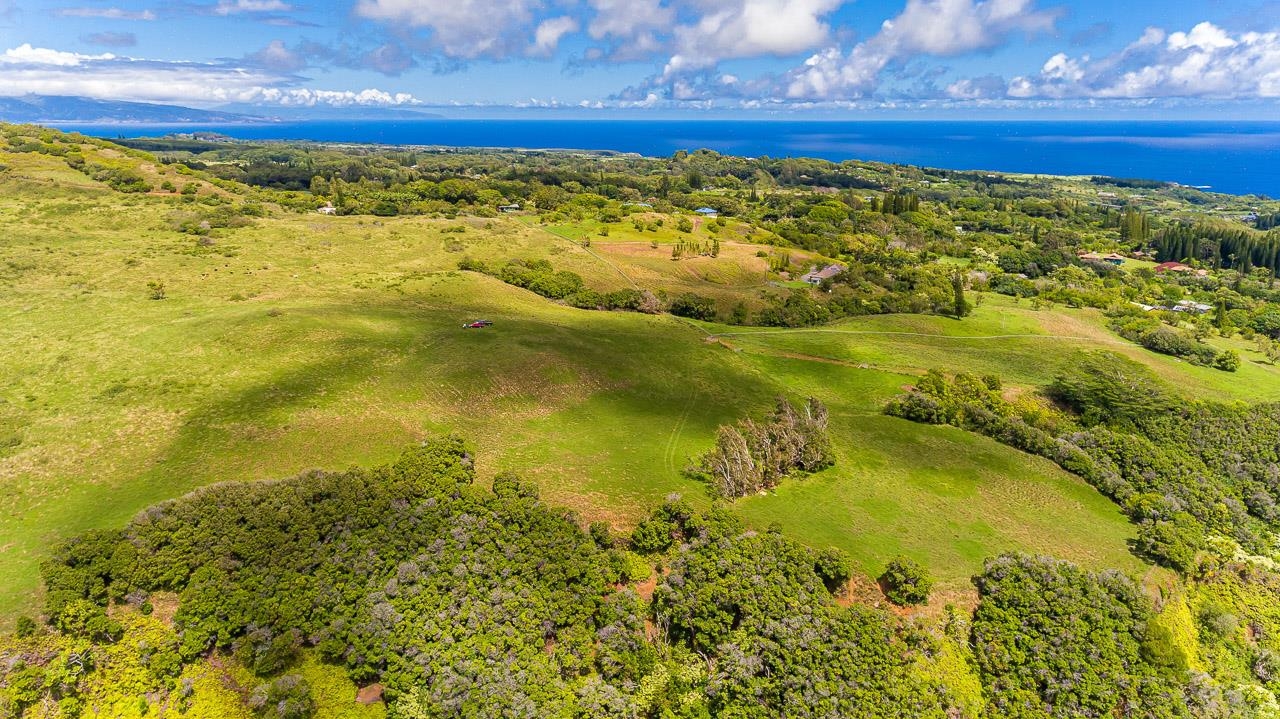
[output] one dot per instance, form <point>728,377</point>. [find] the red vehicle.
<point>478,324</point>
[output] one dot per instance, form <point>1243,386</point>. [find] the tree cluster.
<point>751,456</point>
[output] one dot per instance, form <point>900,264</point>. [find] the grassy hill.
<point>303,340</point>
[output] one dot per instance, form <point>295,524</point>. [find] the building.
<point>1198,308</point>
<point>509,208</point>
<point>328,209</point>
<point>1173,267</point>
<point>817,276</point>
<point>707,212</point>
<point>1111,259</point>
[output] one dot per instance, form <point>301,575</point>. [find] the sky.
<point>949,58</point>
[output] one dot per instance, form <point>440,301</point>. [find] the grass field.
<point>311,341</point>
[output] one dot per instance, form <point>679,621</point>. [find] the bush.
<point>905,582</point>
<point>653,536</point>
<point>693,306</point>
<point>834,568</point>
<point>287,697</point>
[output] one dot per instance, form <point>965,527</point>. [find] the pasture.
<point>308,341</point>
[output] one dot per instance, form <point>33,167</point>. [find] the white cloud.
<point>235,7</point>
<point>924,27</point>
<point>729,29</point>
<point>107,13</point>
<point>43,71</point>
<point>1206,62</point>
<point>25,54</point>
<point>464,29</point>
<point>334,98</point>
<point>547,37</point>
<point>634,25</point>
<point>976,88</point>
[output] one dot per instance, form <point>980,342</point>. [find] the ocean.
<point>1234,157</point>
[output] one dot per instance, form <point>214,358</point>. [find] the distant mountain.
<point>61,108</point>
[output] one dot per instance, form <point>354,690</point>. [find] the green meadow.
<point>307,341</point>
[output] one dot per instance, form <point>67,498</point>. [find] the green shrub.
<point>905,582</point>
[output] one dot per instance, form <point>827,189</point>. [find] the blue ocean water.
<point>1235,157</point>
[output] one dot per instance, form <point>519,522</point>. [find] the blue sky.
<point>1166,58</point>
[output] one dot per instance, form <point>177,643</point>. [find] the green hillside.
<point>165,329</point>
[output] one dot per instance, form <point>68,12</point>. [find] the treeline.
<point>1140,327</point>
<point>751,456</point>
<point>1131,182</point>
<point>466,602</point>
<point>1221,247</point>
<point>865,289</point>
<point>1181,471</point>
<point>474,603</point>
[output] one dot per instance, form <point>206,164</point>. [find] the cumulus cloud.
<point>1204,62</point>
<point>463,30</point>
<point>729,29</point>
<point>26,69</point>
<point>631,26</point>
<point>275,56</point>
<point>111,39</point>
<point>547,36</point>
<point>106,13</point>
<point>925,27</point>
<point>25,54</point>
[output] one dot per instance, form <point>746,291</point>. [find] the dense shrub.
<point>906,582</point>
<point>1054,641</point>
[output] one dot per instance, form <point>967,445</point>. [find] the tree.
<point>905,582</point>
<point>959,305</point>
<point>1104,387</point>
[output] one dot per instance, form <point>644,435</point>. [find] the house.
<point>1111,259</point>
<point>1172,267</point>
<point>328,209</point>
<point>707,212</point>
<point>1198,308</point>
<point>509,208</point>
<point>817,276</point>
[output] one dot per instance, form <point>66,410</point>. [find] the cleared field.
<point>310,341</point>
